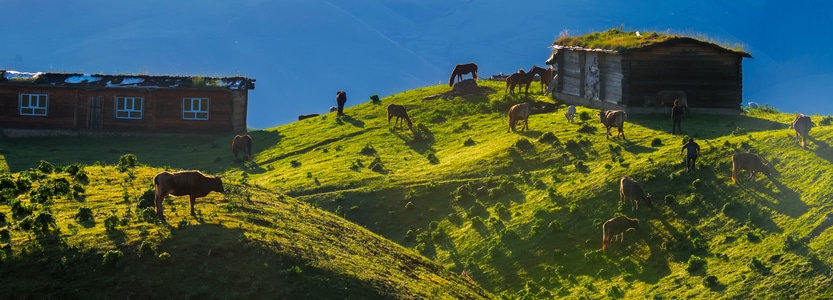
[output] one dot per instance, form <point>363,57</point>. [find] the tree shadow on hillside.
<point>707,126</point>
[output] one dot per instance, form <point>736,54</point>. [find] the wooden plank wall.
<point>611,67</point>
<point>711,78</point>
<point>570,73</point>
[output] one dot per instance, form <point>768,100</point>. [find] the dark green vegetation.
<point>519,214</point>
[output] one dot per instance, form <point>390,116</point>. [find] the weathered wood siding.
<point>571,73</point>
<point>611,82</point>
<point>710,77</point>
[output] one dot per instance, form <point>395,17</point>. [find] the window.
<point>33,104</point>
<point>129,107</point>
<point>195,109</point>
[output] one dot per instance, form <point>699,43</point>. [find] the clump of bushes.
<point>695,263</point>
<point>432,158</point>
<point>368,149</point>
<point>656,142</point>
<point>826,121</point>
<point>84,214</point>
<point>376,165</point>
<point>112,258</point>
<point>468,142</point>
<point>147,249</point>
<point>375,99</point>
<point>127,161</point>
<point>524,144</point>
<point>42,221</point>
<point>547,137</point>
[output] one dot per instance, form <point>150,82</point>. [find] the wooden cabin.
<point>61,103</point>
<point>628,70</point>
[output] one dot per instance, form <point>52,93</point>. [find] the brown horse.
<point>398,111</point>
<point>242,143</point>
<point>545,74</point>
<point>520,78</point>
<point>461,69</point>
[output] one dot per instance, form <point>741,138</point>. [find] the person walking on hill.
<point>676,117</point>
<point>341,98</point>
<point>693,152</point>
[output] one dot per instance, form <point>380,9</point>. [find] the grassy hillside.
<point>86,232</point>
<point>520,213</point>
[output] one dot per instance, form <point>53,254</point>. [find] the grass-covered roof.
<point>617,40</point>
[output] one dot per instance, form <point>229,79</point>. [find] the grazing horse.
<point>613,118</point>
<point>545,74</point>
<point>519,78</point>
<point>749,162</point>
<point>629,188</point>
<point>191,183</point>
<point>461,69</point>
<point>242,143</point>
<point>617,227</point>
<point>398,111</point>
<point>518,112</point>
<point>802,125</point>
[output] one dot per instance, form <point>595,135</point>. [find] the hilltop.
<point>519,213</point>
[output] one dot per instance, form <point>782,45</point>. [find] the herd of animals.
<point>195,184</point>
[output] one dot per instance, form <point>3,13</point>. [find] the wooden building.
<point>128,104</point>
<point>615,69</point>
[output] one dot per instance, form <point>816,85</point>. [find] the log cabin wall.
<point>710,77</point>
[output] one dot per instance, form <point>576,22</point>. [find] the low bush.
<point>695,263</point>
<point>112,258</point>
<point>127,161</point>
<point>84,214</point>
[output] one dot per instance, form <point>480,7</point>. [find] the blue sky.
<point>302,51</point>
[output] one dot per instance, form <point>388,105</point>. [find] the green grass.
<point>617,39</point>
<point>520,213</point>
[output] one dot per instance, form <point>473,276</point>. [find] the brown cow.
<point>802,125</point>
<point>242,143</point>
<point>191,183</point>
<point>613,118</point>
<point>629,188</point>
<point>749,162</point>
<point>518,112</point>
<point>617,227</point>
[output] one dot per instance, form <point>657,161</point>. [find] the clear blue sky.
<point>302,51</point>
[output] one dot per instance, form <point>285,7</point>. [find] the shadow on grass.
<point>708,126</point>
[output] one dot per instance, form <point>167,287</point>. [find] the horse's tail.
<point>451,79</point>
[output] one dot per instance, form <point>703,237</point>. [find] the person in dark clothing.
<point>676,117</point>
<point>693,152</point>
<point>341,98</point>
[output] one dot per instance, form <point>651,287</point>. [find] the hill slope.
<point>522,212</point>
<point>84,234</point>
<point>519,213</point>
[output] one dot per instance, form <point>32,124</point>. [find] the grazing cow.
<point>630,189</point>
<point>191,183</point>
<point>518,112</point>
<point>301,117</point>
<point>666,98</point>
<point>617,227</point>
<point>802,125</point>
<point>571,112</point>
<point>613,118</point>
<point>398,111</point>
<point>749,162</point>
<point>242,143</point>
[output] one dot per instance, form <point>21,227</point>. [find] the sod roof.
<point>618,41</point>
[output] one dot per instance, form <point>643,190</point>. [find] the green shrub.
<point>547,137</point>
<point>586,128</point>
<point>432,158</point>
<point>376,165</point>
<point>20,209</point>
<point>791,242</point>
<point>112,222</point>
<point>147,249</point>
<point>710,281</point>
<point>524,144</point>
<point>695,263</point>
<point>375,99</point>
<point>112,258</point>
<point>147,214</point>
<point>84,214</point>
<point>468,142</point>
<point>826,121</point>
<point>127,161</point>
<point>584,116</point>
<point>295,164</point>
<point>4,234</point>
<point>42,221</point>
<point>656,142</point>
<point>45,167</point>
<point>368,149</point>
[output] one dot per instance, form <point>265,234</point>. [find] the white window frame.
<point>131,107</point>
<point>38,108</point>
<point>195,108</point>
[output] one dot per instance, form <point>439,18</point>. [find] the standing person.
<point>676,117</point>
<point>693,153</point>
<point>341,98</point>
